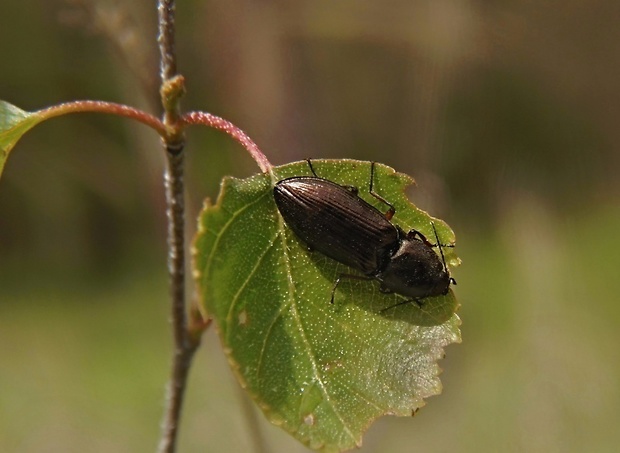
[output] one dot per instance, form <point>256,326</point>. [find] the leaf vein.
<point>301,328</point>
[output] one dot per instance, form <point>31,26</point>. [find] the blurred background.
<point>505,112</point>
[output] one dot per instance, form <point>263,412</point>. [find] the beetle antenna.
<point>443,258</point>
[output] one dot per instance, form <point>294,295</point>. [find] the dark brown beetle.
<point>333,220</point>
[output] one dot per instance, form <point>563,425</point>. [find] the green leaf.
<point>323,372</point>
<point>14,122</point>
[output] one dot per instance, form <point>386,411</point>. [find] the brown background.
<point>505,112</point>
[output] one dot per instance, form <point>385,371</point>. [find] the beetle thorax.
<point>415,271</point>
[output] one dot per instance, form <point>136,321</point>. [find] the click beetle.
<point>333,220</point>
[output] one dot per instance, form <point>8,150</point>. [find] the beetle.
<point>333,220</point>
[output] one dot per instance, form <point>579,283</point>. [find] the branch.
<point>185,342</point>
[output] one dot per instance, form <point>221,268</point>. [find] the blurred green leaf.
<point>323,372</point>
<point>14,122</point>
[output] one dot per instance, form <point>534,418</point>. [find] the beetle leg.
<point>354,190</point>
<point>413,233</point>
<point>352,277</point>
<point>311,168</point>
<point>418,302</point>
<point>390,212</point>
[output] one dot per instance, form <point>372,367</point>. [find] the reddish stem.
<point>207,119</point>
<point>191,118</point>
<point>105,107</point>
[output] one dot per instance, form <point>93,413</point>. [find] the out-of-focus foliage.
<point>478,101</point>
<point>505,113</point>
